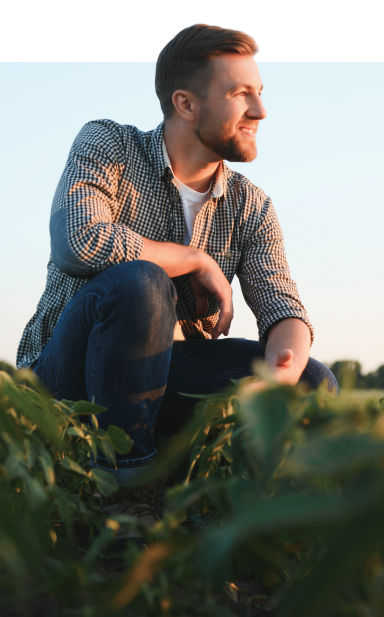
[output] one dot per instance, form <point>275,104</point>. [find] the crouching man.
<point>147,233</point>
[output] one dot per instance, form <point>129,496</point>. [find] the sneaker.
<point>140,502</point>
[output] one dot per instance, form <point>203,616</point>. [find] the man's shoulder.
<point>107,134</point>
<point>243,191</point>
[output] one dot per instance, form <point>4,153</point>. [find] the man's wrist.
<point>199,260</point>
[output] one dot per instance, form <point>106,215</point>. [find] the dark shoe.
<point>139,502</point>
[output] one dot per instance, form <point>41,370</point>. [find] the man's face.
<point>229,116</point>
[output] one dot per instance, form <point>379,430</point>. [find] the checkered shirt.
<point>117,188</point>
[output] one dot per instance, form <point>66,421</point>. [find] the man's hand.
<point>206,277</point>
<point>212,281</point>
<point>287,350</point>
<point>286,355</point>
<point>282,366</point>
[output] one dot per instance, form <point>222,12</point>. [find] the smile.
<point>248,131</point>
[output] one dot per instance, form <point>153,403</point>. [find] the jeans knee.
<point>145,288</point>
<point>152,280</point>
<point>316,373</point>
<point>142,280</point>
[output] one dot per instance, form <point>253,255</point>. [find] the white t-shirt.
<point>192,203</point>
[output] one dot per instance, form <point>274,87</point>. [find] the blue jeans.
<point>114,344</point>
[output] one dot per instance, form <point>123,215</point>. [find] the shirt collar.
<point>220,184</point>
<point>162,163</point>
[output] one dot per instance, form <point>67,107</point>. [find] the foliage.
<point>46,478</point>
<point>283,487</point>
<point>374,379</point>
<point>348,374</point>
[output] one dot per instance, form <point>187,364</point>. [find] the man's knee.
<point>316,373</point>
<point>141,282</point>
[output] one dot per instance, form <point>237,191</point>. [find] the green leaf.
<point>204,397</point>
<point>62,503</point>
<point>86,408</point>
<point>183,496</point>
<point>75,431</point>
<point>37,409</point>
<point>91,441</point>
<point>10,426</point>
<point>105,481</point>
<point>45,462</point>
<point>107,449</point>
<point>230,419</point>
<point>119,439</point>
<point>71,465</point>
<point>16,466</point>
<point>36,494</point>
<point>268,420</point>
<point>31,451</point>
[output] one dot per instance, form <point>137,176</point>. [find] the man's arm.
<point>206,277</point>
<point>287,350</point>
<point>266,282</point>
<point>85,239</point>
<point>284,328</point>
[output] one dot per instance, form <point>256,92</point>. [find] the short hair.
<point>184,63</point>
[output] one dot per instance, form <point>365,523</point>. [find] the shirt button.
<point>228,255</point>
<point>176,199</point>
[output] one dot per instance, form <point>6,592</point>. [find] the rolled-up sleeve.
<point>264,274</point>
<point>84,237</point>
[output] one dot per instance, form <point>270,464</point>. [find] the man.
<point>176,224</point>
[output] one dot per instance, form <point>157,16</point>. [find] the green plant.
<point>46,478</point>
<point>284,488</point>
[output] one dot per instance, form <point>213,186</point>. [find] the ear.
<point>185,103</point>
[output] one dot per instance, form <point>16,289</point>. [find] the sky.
<point>319,149</point>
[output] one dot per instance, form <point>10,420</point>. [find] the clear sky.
<point>320,159</point>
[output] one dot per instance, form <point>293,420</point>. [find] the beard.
<point>227,146</point>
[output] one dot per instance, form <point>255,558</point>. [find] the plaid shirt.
<point>117,187</point>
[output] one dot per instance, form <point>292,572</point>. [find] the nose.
<point>256,108</point>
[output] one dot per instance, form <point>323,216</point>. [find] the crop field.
<point>274,505</point>
<point>367,394</point>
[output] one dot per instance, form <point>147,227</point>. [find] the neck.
<point>192,163</point>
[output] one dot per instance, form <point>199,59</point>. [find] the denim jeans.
<point>114,344</point>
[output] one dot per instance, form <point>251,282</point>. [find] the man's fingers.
<point>284,358</point>
<point>224,321</point>
<point>226,330</point>
<point>213,283</point>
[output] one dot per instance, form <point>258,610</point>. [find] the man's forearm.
<point>206,277</point>
<point>175,259</point>
<point>289,334</point>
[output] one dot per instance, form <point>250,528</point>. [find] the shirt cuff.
<point>135,245</point>
<point>279,316</point>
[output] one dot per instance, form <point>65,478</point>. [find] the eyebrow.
<point>247,86</point>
